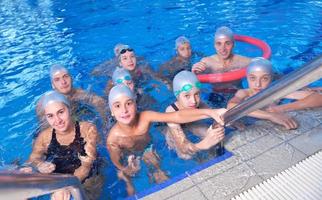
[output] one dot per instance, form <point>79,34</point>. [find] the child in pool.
<point>123,76</point>
<point>182,60</point>
<point>259,76</point>
<point>62,82</point>
<point>67,147</point>
<point>186,88</point>
<point>224,60</point>
<point>130,135</point>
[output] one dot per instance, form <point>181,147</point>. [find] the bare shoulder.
<point>113,135</point>
<point>169,109</point>
<point>242,93</point>
<point>243,59</point>
<point>45,136</point>
<point>87,129</point>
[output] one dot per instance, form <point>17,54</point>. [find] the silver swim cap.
<point>55,69</point>
<point>224,31</point>
<point>120,75</point>
<point>260,64</point>
<point>181,40</point>
<point>121,47</point>
<point>184,81</point>
<point>118,91</point>
<point>52,97</point>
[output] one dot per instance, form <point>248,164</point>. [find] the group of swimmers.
<point>67,145</point>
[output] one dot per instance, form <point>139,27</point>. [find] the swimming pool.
<point>82,34</point>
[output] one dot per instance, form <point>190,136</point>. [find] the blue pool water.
<point>82,33</point>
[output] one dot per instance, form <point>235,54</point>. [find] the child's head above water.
<point>224,32</point>
<point>259,74</point>
<point>122,104</point>
<point>60,78</point>
<point>53,97</point>
<point>126,56</point>
<point>186,88</point>
<point>122,76</point>
<point>183,47</point>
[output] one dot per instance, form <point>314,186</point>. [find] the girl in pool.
<point>186,88</point>
<point>67,147</point>
<point>123,76</point>
<point>259,76</point>
<point>130,135</point>
<point>62,82</point>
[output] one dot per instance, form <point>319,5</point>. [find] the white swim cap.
<point>224,31</point>
<point>119,48</point>
<point>181,40</point>
<point>184,81</point>
<point>118,91</point>
<point>120,75</point>
<point>55,69</point>
<point>260,64</point>
<point>52,97</point>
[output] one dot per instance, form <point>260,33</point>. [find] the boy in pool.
<point>259,76</point>
<point>186,88</point>
<point>62,82</point>
<point>130,135</point>
<point>67,147</point>
<point>225,59</point>
<point>182,60</point>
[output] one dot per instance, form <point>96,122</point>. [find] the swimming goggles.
<point>125,78</point>
<point>125,50</point>
<point>187,88</point>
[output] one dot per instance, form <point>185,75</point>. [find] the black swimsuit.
<point>66,157</point>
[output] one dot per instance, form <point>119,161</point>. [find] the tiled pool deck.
<point>260,152</point>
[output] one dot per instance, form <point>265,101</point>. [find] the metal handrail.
<point>15,185</point>
<point>293,81</point>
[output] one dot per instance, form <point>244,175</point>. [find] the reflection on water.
<point>81,34</point>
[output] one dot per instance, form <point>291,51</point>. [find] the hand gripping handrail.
<point>14,185</point>
<point>293,81</point>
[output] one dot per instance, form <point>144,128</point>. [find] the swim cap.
<point>55,69</point>
<point>184,81</point>
<point>118,91</point>
<point>259,64</point>
<point>120,75</point>
<point>181,40</point>
<point>121,47</point>
<point>224,31</point>
<point>51,97</point>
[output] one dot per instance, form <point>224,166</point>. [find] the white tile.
<point>228,184</point>
<point>275,160</point>
<point>309,142</point>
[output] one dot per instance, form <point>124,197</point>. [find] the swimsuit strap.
<point>174,106</point>
<point>77,130</point>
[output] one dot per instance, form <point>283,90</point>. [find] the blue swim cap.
<point>181,40</point>
<point>56,68</point>
<point>260,64</point>
<point>120,75</point>
<point>224,31</point>
<point>51,97</point>
<point>118,91</point>
<point>121,47</point>
<point>184,81</point>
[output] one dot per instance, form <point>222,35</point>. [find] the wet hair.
<point>260,64</point>
<point>120,74</point>
<point>51,97</point>
<point>182,79</point>
<point>56,68</point>
<point>117,91</point>
<point>224,31</point>
<point>181,40</point>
